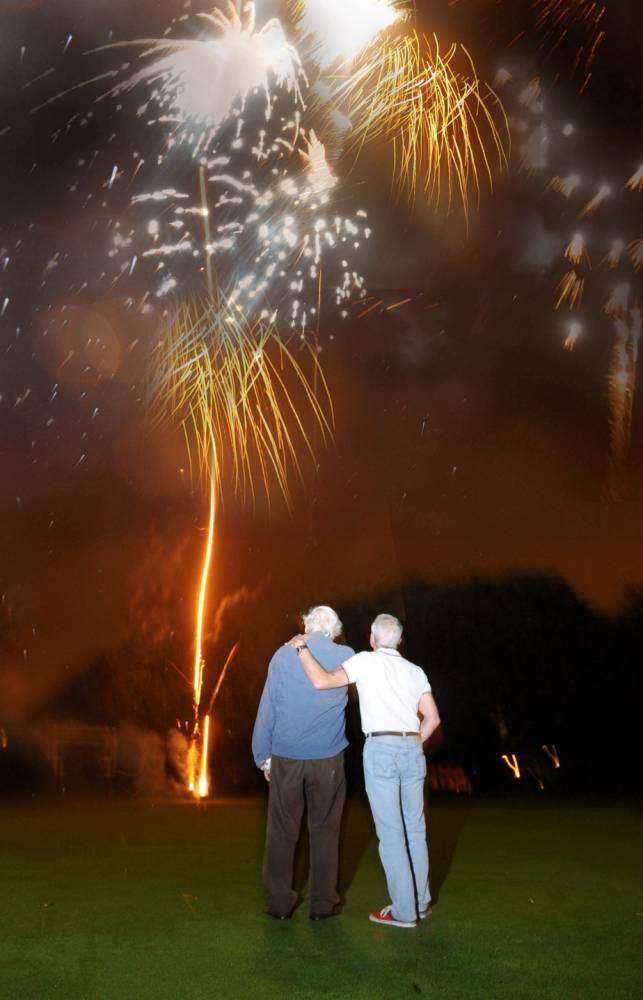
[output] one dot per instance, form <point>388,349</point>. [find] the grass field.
<point>103,900</point>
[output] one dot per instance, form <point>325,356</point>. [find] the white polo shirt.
<point>389,689</point>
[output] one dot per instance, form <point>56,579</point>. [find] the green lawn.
<point>118,900</point>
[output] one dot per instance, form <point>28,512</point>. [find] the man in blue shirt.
<point>298,741</point>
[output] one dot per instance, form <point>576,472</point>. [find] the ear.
<point>372,641</point>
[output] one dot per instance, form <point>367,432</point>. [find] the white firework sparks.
<point>266,217</point>
<point>196,82</point>
<point>341,29</point>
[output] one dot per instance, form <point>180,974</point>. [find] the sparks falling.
<point>445,129</point>
<point>231,384</point>
<point>570,291</point>
<point>559,20</point>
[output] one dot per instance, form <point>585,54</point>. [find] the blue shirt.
<point>294,720</point>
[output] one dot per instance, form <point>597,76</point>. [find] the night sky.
<point>466,440</point>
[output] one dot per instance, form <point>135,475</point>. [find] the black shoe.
<point>324,916</point>
<point>278,916</point>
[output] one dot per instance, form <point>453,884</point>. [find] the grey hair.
<point>321,618</point>
<point>387,631</point>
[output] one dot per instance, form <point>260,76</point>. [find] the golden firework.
<point>446,129</point>
<point>239,393</point>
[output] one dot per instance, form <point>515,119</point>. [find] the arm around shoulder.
<point>321,679</point>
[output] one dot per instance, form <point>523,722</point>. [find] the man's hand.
<point>265,767</point>
<point>319,678</point>
<point>266,773</point>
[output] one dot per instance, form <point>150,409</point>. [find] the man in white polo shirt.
<point>393,693</point>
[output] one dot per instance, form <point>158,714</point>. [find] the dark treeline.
<point>520,665</point>
<point>522,662</point>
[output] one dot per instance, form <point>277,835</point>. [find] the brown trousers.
<point>322,785</point>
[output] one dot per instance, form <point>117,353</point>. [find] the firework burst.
<point>339,30</point>
<point>237,391</point>
<point>195,83</point>
<point>441,122</point>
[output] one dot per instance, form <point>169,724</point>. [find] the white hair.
<point>387,631</point>
<point>322,619</point>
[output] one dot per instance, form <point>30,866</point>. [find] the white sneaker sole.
<point>391,923</point>
<point>426,913</point>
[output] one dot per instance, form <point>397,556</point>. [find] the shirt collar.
<point>388,650</point>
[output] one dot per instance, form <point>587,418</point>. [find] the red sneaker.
<point>384,916</point>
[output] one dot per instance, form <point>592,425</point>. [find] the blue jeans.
<point>395,769</point>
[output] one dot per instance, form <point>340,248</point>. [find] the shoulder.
<point>280,658</point>
<point>420,676</point>
<point>362,657</point>
<point>355,664</point>
<point>414,668</point>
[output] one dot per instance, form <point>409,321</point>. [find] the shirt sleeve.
<point>423,681</point>
<point>266,716</point>
<point>353,666</point>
